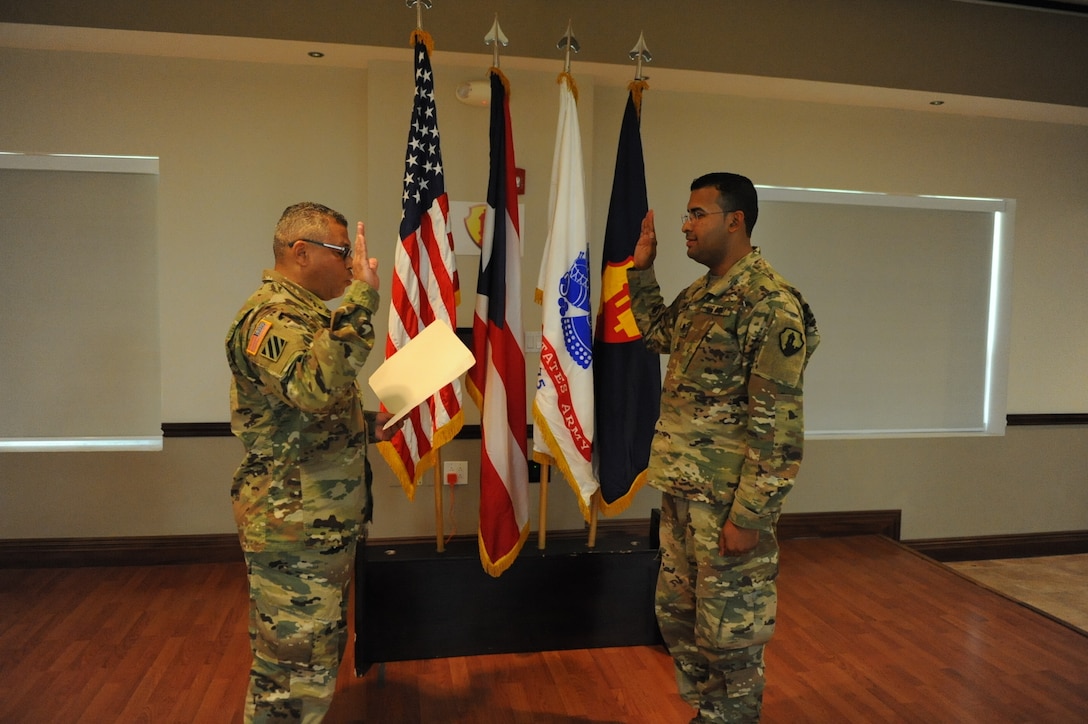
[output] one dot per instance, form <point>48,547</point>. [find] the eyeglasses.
<point>343,251</point>
<point>696,214</point>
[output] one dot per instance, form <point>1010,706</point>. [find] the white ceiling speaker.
<point>475,93</point>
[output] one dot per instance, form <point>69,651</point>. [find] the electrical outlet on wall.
<point>455,472</point>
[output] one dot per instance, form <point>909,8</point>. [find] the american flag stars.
<point>423,161</point>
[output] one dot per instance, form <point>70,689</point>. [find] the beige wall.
<point>238,141</point>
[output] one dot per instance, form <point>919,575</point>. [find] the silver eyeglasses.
<point>696,214</point>
<point>343,251</point>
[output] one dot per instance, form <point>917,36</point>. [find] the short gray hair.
<point>301,221</point>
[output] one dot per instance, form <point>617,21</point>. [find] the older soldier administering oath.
<point>727,444</point>
<point>301,496</point>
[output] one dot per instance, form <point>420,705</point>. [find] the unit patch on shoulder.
<point>273,347</point>
<point>790,341</point>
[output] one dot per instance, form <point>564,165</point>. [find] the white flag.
<point>563,406</point>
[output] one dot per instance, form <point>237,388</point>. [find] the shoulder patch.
<point>791,341</point>
<point>258,335</point>
<point>273,347</point>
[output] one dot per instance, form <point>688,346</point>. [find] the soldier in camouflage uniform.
<point>727,444</point>
<point>301,490</point>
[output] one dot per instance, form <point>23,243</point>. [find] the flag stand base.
<point>413,602</point>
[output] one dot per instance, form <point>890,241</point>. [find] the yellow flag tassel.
<point>637,87</point>
<point>419,35</point>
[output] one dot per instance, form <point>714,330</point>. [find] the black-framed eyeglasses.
<point>343,251</point>
<point>696,214</point>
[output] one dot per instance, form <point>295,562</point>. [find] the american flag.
<point>425,283</point>
<point>497,380</point>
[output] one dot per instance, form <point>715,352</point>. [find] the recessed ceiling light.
<point>316,54</point>
<point>936,103</point>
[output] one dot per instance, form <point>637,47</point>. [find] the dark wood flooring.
<point>869,631</point>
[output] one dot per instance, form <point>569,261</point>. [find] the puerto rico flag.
<point>497,380</point>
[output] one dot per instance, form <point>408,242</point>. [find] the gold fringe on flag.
<point>623,502</point>
<point>441,436</point>
<point>494,70</point>
<point>637,87</point>
<point>563,465</point>
<point>497,568</point>
<point>419,35</point>
<point>565,75</point>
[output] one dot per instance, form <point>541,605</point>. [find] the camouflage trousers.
<point>715,612</point>
<point>298,632</point>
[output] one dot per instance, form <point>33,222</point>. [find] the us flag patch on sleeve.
<point>258,336</point>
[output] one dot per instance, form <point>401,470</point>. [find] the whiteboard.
<point>80,324</point>
<point>911,297</point>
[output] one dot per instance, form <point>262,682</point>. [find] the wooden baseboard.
<point>981,548</point>
<point>223,548</point>
<point>841,523</point>
<point>128,551</point>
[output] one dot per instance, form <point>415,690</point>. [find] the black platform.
<point>415,603</point>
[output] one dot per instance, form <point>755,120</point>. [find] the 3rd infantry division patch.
<point>273,347</point>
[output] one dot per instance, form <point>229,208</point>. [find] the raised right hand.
<point>646,246</point>
<point>363,268</point>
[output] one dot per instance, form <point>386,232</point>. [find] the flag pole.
<point>495,37</point>
<point>419,5</point>
<point>439,523</point>
<point>592,543</point>
<point>640,53</point>
<point>542,532</point>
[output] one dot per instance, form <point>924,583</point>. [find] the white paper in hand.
<point>430,361</point>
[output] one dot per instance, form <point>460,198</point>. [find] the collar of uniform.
<point>736,274</point>
<point>303,295</point>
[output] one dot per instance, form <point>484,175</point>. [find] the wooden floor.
<point>868,632</point>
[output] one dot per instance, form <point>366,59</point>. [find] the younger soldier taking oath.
<point>727,444</point>
<point>301,495</point>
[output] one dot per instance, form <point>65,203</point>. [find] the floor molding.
<point>223,548</point>
<point>127,551</point>
<point>990,547</point>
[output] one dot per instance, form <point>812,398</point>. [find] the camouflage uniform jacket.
<point>731,428</point>
<point>297,408</point>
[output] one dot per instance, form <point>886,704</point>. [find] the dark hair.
<point>735,193</point>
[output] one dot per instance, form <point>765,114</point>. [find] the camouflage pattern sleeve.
<point>655,321</point>
<point>309,369</point>
<point>776,343</point>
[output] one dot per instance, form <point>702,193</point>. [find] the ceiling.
<point>1074,7</point>
<point>1022,60</point>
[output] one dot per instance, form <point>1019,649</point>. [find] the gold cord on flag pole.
<point>542,532</point>
<point>419,35</point>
